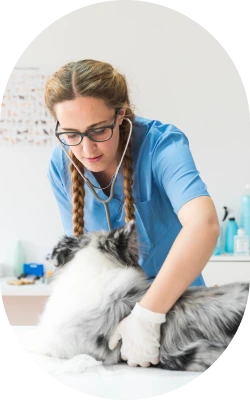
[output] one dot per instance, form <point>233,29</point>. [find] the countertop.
<point>36,289</point>
<point>230,257</point>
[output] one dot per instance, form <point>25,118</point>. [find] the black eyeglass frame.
<point>88,132</point>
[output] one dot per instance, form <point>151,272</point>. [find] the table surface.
<point>112,382</point>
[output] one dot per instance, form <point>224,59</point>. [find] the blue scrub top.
<point>164,179</point>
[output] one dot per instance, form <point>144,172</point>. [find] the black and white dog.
<point>96,285</point>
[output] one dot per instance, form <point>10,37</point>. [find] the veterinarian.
<point>158,186</point>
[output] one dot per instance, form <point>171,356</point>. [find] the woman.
<point>158,186</point>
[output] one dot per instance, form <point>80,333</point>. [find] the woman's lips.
<point>94,160</point>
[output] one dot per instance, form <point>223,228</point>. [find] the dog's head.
<point>119,244</point>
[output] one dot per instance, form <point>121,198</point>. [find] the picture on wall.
<point>24,116</point>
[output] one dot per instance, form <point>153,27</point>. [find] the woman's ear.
<point>121,114</point>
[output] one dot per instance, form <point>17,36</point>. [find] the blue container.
<point>245,210</point>
<point>231,231</point>
<point>33,269</point>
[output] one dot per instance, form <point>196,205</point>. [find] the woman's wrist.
<point>148,315</point>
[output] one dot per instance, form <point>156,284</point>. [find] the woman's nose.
<point>89,146</point>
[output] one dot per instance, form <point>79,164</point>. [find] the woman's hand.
<point>140,334</point>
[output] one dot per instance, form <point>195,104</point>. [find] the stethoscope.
<point>112,182</point>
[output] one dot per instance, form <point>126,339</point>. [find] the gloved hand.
<point>140,334</point>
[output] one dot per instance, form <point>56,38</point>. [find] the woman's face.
<point>78,115</point>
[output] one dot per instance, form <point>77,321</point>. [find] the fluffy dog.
<point>97,283</point>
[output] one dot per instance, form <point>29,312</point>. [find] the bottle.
<point>245,210</point>
<point>47,268</point>
<point>18,259</point>
<point>231,231</point>
<point>220,246</point>
<point>241,243</point>
<point>2,269</point>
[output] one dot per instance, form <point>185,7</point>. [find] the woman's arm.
<point>188,256</point>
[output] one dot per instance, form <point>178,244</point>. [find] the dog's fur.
<point>98,282</point>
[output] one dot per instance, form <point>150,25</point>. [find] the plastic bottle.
<point>18,259</point>
<point>245,210</point>
<point>220,246</point>
<point>2,269</point>
<point>231,231</point>
<point>241,243</point>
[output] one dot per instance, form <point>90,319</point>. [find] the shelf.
<point>230,258</point>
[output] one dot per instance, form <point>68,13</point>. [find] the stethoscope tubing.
<point>112,182</point>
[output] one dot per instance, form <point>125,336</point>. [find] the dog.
<point>97,282</point>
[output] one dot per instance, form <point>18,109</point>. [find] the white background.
<point>177,72</point>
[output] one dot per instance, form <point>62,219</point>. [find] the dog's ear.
<point>126,233</point>
<point>65,250</point>
<point>122,242</point>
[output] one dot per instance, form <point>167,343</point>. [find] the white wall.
<point>177,73</point>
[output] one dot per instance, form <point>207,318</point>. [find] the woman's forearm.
<point>188,256</point>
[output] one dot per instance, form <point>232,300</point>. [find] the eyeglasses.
<point>101,134</point>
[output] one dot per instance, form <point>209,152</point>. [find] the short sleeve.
<point>57,182</point>
<point>174,169</point>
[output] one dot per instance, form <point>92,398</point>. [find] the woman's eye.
<point>101,130</point>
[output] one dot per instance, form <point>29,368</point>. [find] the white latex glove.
<point>140,334</point>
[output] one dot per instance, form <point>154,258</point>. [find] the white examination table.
<point>113,382</point>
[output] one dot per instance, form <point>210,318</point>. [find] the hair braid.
<point>128,177</point>
<point>78,195</point>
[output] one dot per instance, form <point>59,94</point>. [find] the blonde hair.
<point>100,80</point>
